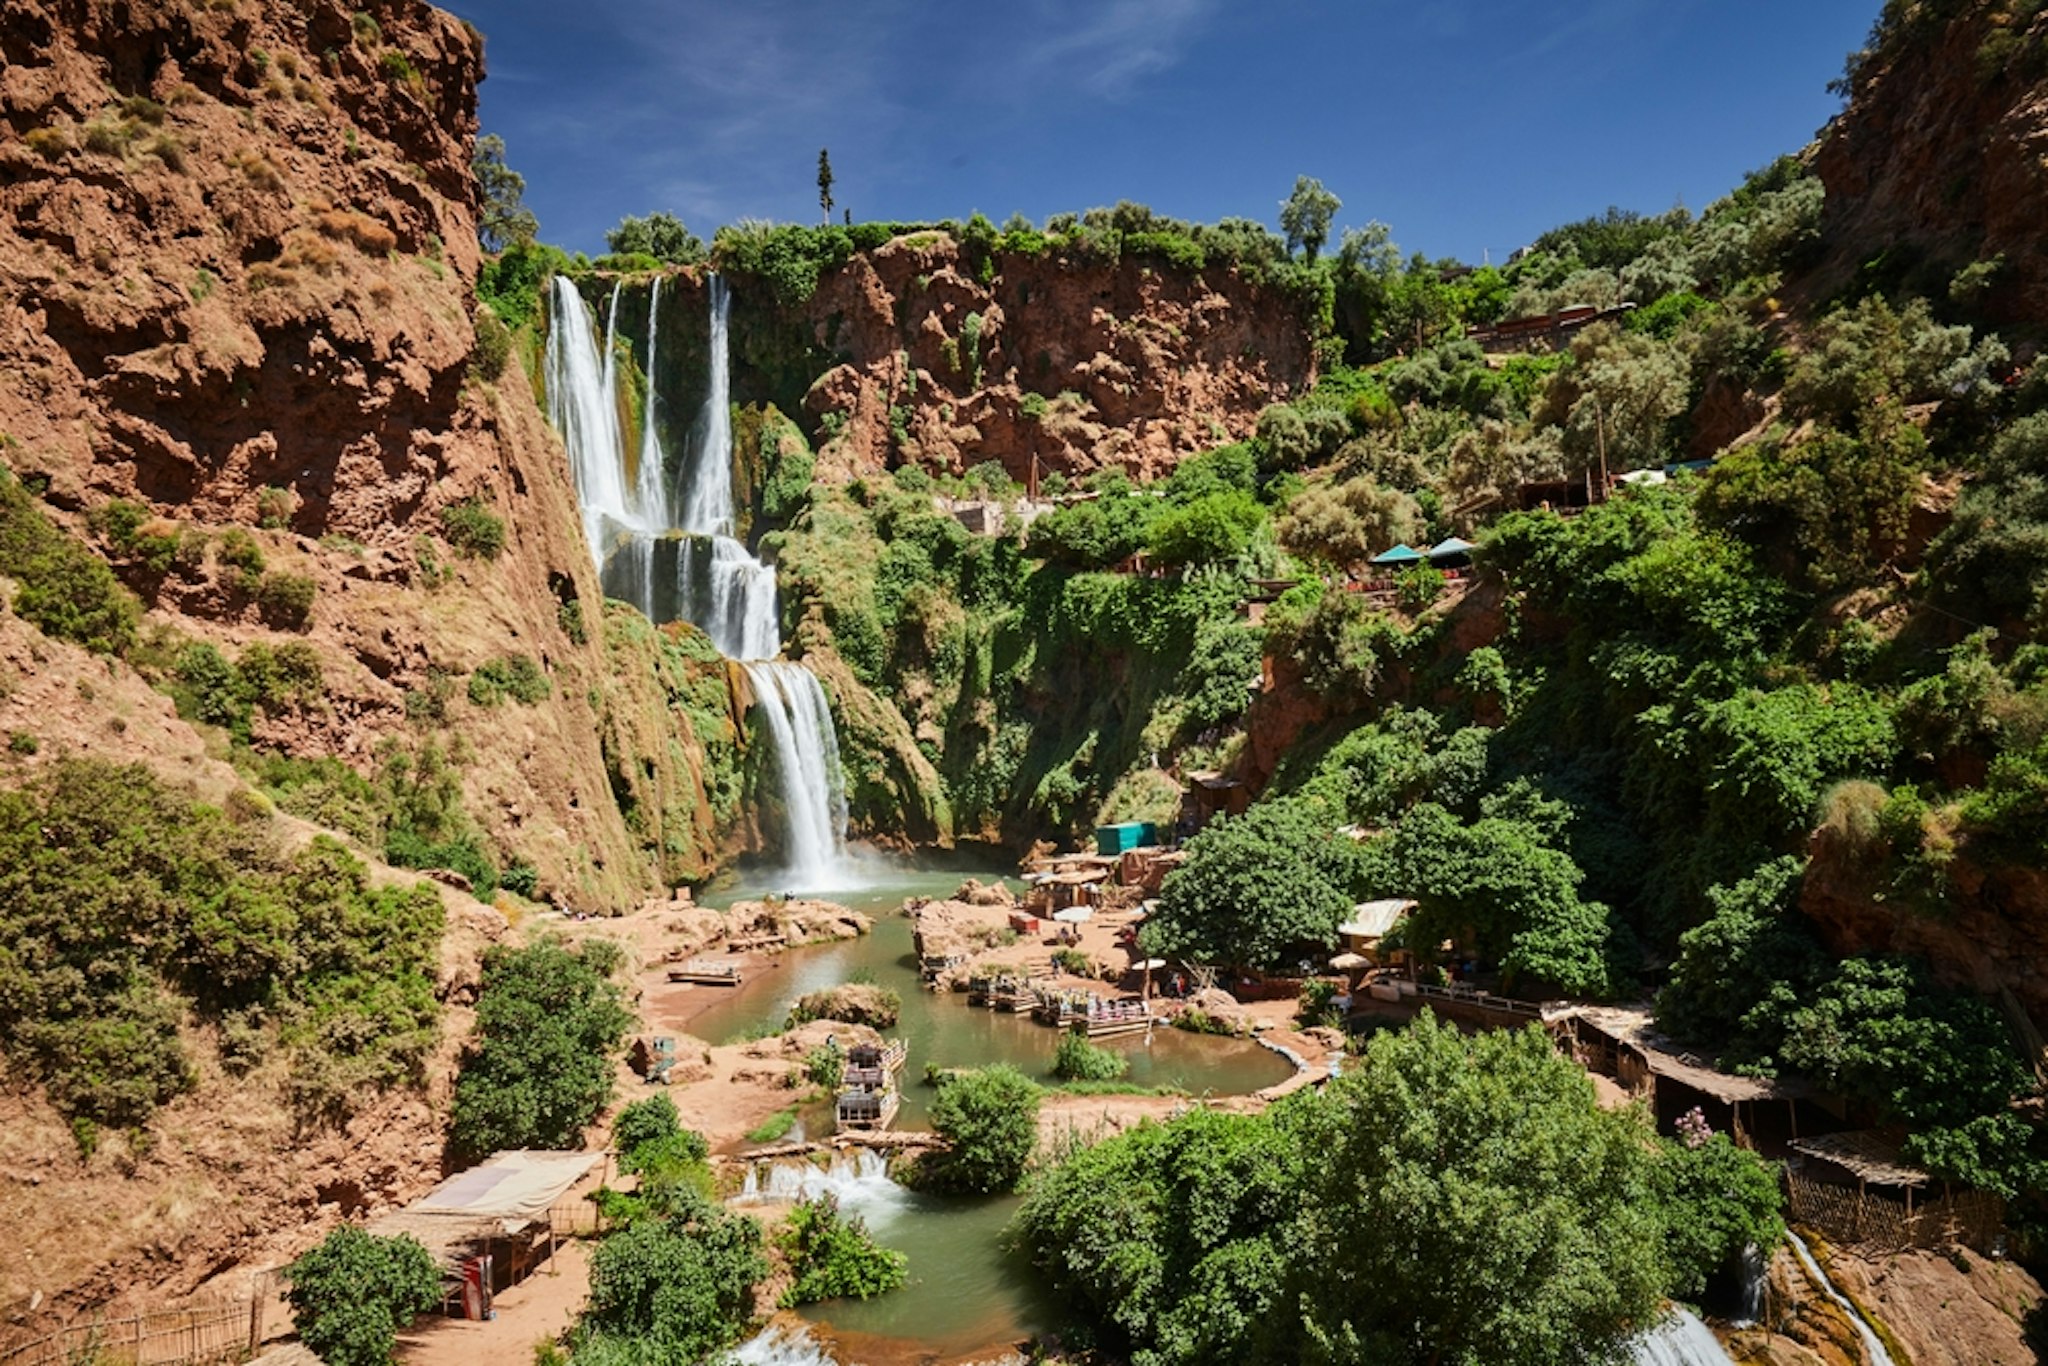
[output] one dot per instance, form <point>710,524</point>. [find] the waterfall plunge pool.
<point>968,1293</point>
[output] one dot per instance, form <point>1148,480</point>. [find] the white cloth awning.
<point>1074,915</point>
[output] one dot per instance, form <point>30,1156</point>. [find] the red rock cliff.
<point>1943,151</point>
<point>237,255</point>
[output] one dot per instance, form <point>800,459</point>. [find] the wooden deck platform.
<point>706,973</point>
<point>1097,1018</point>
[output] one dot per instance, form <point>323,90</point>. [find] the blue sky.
<point>1470,126</point>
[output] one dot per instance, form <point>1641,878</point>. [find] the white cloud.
<point>1108,46</point>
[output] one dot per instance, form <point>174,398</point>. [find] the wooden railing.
<point>193,1335</point>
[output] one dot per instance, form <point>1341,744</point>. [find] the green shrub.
<point>520,878</point>
<point>351,1295</point>
<point>21,742</point>
<point>239,551</point>
<point>128,904</point>
<point>493,347</point>
<point>274,507</point>
<point>286,599</point>
<point>1076,1059</point>
<point>473,529</point>
<point>683,1279</point>
<point>64,590</point>
<point>825,1066</point>
<point>832,1256</point>
<point>514,676</point>
<point>541,1064</point>
<point>990,1120</point>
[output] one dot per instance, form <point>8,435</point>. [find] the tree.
<point>1471,1203</point>
<point>352,1294</point>
<point>1501,880</point>
<point>1177,1237</point>
<point>1305,216</point>
<point>990,1120</point>
<point>832,1256</point>
<point>678,1287</point>
<point>1258,890</point>
<point>660,235</point>
<point>1718,1200</point>
<point>825,182</point>
<point>541,1067</point>
<point>503,218</point>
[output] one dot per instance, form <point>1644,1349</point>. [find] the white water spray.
<point>716,583</point>
<point>1680,1340</point>
<point>780,1345</point>
<point>858,1181</point>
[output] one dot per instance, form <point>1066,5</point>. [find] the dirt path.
<point>541,1307</point>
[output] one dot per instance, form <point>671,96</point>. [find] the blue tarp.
<point>1450,549</point>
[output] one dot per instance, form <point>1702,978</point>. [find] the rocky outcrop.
<point>1990,936</point>
<point>907,354</point>
<point>237,255</point>
<point>1941,158</point>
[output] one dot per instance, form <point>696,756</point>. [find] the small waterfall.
<point>707,472</point>
<point>650,490</point>
<point>715,582</point>
<point>859,1181</point>
<point>1751,1302</point>
<point>779,1345</point>
<point>799,722</point>
<point>731,596</point>
<point>582,404</point>
<point>1680,1340</point>
<point>1873,1345</point>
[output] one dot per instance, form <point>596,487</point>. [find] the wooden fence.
<point>194,1335</point>
<point>1860,1217</point>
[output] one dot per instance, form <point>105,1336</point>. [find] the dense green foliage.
<point>673,1286</point>
<point>989,1119</point>
<point>62,588</point>
<point>1259,890</point>
<point>124,903</point>
<point>352,1294</point>
<point>541,1065</point>
<point>832,1256</point>
<point>1451,1201</point>
<point>1076,1059</point>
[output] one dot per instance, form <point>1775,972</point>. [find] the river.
<point>967,1292</point>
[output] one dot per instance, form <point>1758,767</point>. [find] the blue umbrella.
<point>1400,554</point>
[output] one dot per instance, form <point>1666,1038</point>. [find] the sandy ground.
<point>541,1307</point>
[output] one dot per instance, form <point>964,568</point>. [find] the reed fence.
<point>191,1335</point>
<point>1860,1217</point>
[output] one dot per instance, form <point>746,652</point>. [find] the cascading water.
<point>1873,1345</point>
<point>715,582</point>
<point>858,1181</point>
<point>1680,1340</point>
<point>780,1345</point>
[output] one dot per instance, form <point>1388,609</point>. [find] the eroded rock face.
<point>1944,152</point>
<point>237,259</point>
<point>1988,939</point>
<point>1080,363</point>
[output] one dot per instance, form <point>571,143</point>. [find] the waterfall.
<point>650,491</point>
<point>715,582</point>
<point>707,489</point>
<point>1680,1340</point>
<point>799,722</point>
<point>859,1181</point>
<point>779,1345</point>
<point>582,404</point>
<point>1873,1345</point>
